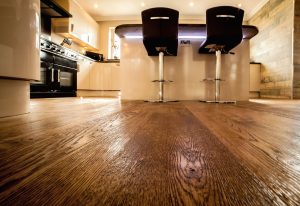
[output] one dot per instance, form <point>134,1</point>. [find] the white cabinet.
<point>19,54</point>
<point>20,39</point>
<point>98,76</point>
<point>105,76</point>
<point>83,75</point>
<point>115,76</point>
<point>93,33</point>
<point>81,27</point>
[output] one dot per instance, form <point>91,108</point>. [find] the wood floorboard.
<point>265,142</point>
<point>98,151</point>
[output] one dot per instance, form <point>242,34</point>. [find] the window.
<point>113,44</point>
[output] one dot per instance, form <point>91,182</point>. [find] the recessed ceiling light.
<point>96,6</point>
<point>239,5</point>
<point>191,4</point>
<point>142,4</point>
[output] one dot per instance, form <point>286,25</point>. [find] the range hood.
<point>52,9</point>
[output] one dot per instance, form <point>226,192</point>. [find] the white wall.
<point>187,70</point>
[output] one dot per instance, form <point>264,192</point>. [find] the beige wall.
<point>273,47</point>
<point>187,70</point>
<point>103,34</point>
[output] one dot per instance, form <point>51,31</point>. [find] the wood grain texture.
<point>97,151</point>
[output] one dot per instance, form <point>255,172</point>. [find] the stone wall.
<point>296,83</point>
<point>273,48</point>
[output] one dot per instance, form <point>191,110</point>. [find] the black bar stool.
<point>160,38</point>
<point>224,32</point>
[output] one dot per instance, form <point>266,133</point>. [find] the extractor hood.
<point>52,9</point>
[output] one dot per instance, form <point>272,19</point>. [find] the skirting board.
<point>98,93</point>
<point>254,95</point>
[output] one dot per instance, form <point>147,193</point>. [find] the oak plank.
<point>135,153</point>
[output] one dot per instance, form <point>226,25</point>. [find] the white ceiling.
<point>102,10</point>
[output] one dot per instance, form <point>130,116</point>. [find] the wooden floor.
<point>105,152</point>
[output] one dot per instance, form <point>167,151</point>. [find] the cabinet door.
<point>75,21</point>
<point>93,33</point>
<point>115,77</point>
<point>106,76</point>
<point>83,76</point>
<point>96,76</point>
<point>79,24</point>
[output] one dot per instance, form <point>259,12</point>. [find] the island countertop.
<point>190,30</point>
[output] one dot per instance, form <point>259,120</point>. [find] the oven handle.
<point>58,75</point>
<point>58,65</point>
<point>52,74</point>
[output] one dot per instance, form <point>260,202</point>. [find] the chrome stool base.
<point>218,102</point>
<point>160,101</point>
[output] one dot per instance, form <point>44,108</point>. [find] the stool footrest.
<point>218,101</point>
<point>160,101</point>
<point>211,80</point>
<point>164,81</point>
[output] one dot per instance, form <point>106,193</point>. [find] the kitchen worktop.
<point>110,61</point>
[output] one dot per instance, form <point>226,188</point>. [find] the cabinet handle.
<point>72,27</point>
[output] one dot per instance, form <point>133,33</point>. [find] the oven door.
<point>47,74</point>
<point>46,78</point>
<point>65,79</point>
